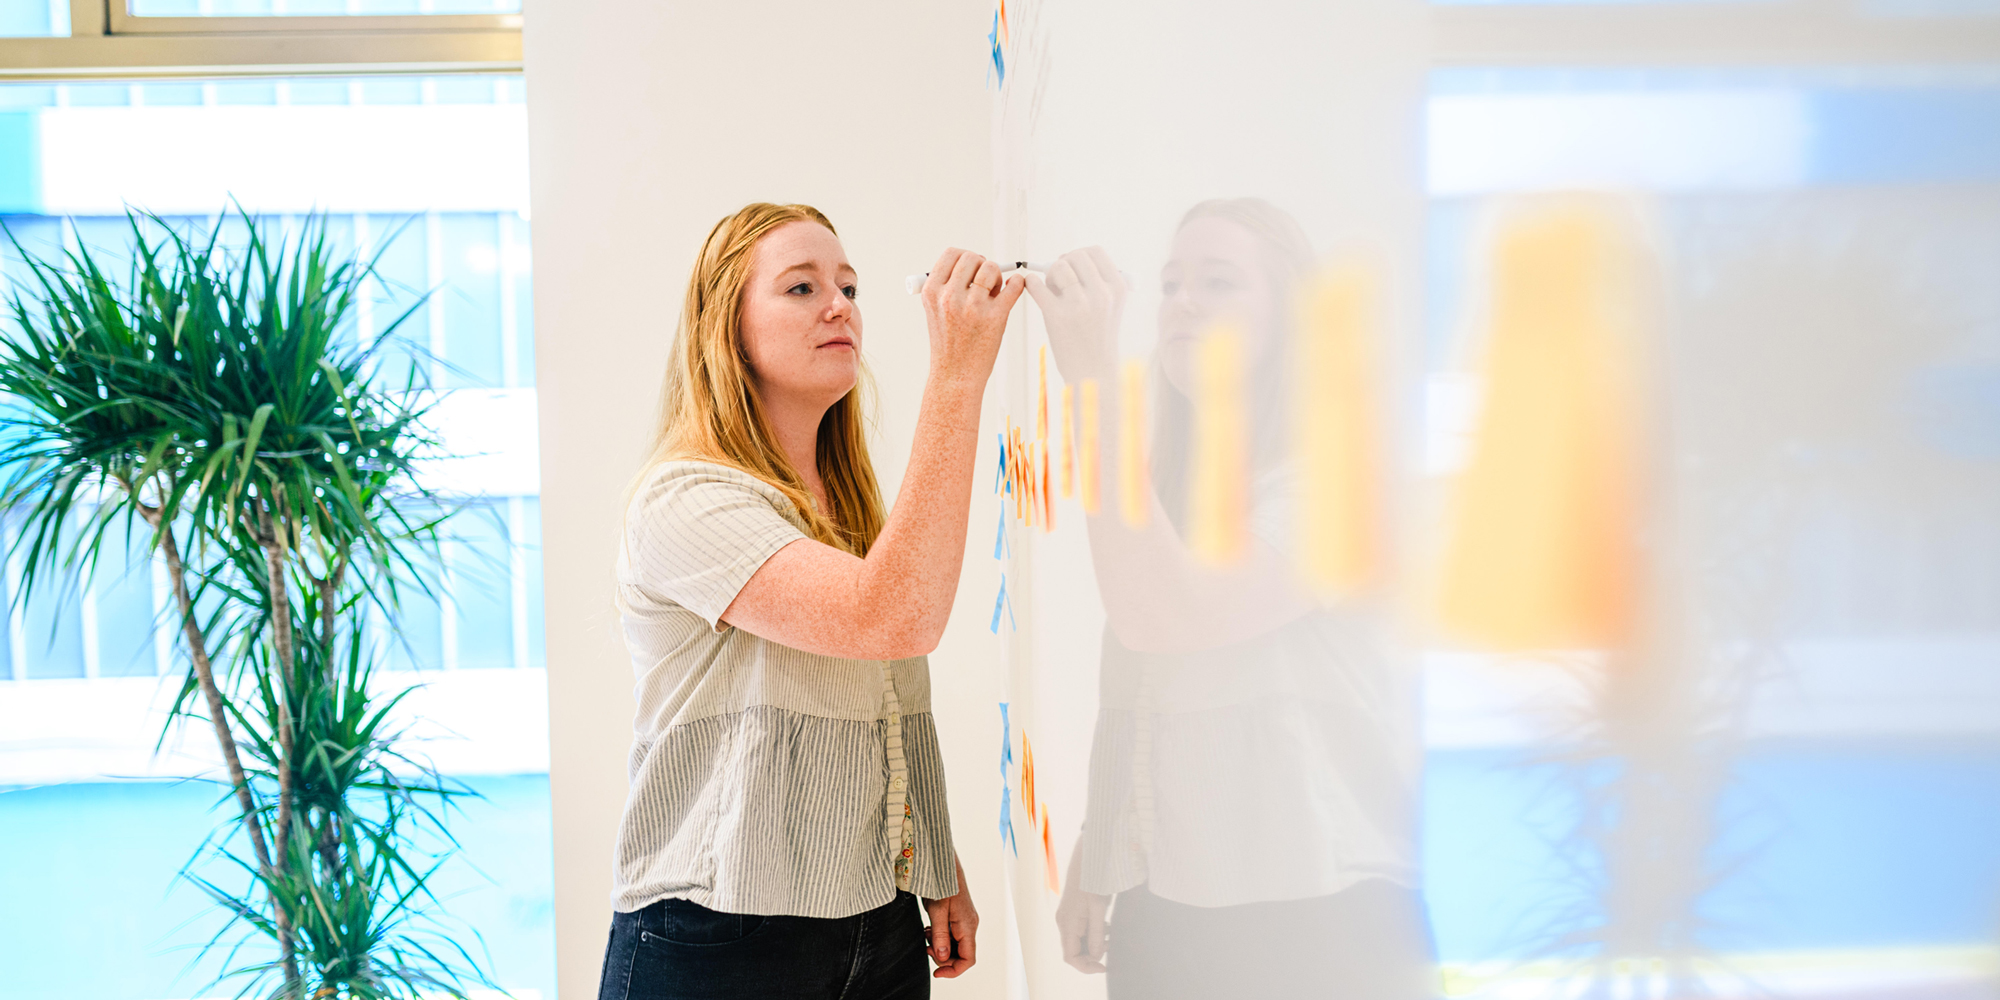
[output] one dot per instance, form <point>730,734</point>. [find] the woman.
<point>787,803</point>
<point>1250,824</point>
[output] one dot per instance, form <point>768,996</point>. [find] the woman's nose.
<point>841,307</point>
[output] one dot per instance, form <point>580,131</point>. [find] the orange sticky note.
<point>1087,460</point>
<point>1335,431</point>
<point>1042,395</point>
<point>1049,857</point>
<point>1541,538</point>
<point>1131,444</point>
<point>1020,480</point>
<point>1219,466</point>
<point>1028,776</point>
<point>1048,501</point>
<point>1068,469</point>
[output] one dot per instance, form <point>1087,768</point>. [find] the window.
<point>431,172</point>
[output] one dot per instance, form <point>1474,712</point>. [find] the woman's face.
<point>801,328</point>
<point>1215,273</point>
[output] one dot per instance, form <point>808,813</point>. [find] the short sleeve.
<point>696,533</point>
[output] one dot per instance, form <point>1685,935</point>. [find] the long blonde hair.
<point>710,412</point>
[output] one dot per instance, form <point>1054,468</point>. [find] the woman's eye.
<point>802,288</point>
<point>1221,285</point>
<point>850,291</point>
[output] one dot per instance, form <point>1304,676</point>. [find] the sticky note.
<point>1219,456</point>
<point>1048,502</point>
<point>1000,472</point>
<point>1541,526</point>
<point>1049,858</point>
<point>1137,498</point>
<point>1006,741</point>
<point>1067,470</point>
<point>1087,460</point>
<point>1014,477</point>
<point>993,42</point>
<point>999,602</point>
<point>1028,776</point>
<point>1030,481</point>
<point>1007,820</point>
<point>1000,538</point>
<point>1042,395</point>
<point>1335,431</point>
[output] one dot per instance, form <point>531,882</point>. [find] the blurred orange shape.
<point>1540,549</point>
<point>1335,431</point>
<point>1087,445</point>
<point>1049,857</point>
<point>1131,446</point>
<point>1068,468</point>
<point>1219,467</point>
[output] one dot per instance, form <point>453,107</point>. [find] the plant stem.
<point>204,674</point>
<point>281,634</point>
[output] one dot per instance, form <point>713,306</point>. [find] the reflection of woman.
<point>1253,772</point>
<point>787,805</point>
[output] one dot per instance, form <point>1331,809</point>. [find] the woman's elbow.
<point>901,643</point>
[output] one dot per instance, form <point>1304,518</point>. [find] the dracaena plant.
<point>217,400</point>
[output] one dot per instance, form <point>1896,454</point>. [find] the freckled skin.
<point>797,308</point>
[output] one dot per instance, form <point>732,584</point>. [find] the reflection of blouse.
<point>1281,767</point>
<point>764,779</point>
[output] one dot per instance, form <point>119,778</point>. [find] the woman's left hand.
<point>953,924</point>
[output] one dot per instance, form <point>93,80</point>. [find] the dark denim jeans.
<point>677,949</point>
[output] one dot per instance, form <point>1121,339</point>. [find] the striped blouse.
<point>764,779</point>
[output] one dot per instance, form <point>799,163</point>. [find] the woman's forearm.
<point>911,573</point>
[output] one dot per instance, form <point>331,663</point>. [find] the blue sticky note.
<point>1000,540</point>
<point>1000,474</point>
<point>1007,820</point>
<point>993,39</point>
<point>1006,741</point>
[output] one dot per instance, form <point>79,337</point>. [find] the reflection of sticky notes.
<point>1049,857</point>
<point>1048,501</point>
<point>1219,459</point>
<point>1086,440</point>
<point>1000,538</point>
<point>1042,395</point>
<point>1540,548</point>
<point>1137,499</point>
<point>1334,431</point>
<point>1067,472</point>
<point>1028,490</point>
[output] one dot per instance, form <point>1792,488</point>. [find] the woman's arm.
<point>895,602</point>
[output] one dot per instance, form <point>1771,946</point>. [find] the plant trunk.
<point>204,672</point>
<point>281,634</point>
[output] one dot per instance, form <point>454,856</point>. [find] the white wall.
<point>647,123</point>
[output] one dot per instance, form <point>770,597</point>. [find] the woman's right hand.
<point>1080,923</point>
<point>966,305</point>
<point>1082,298</point>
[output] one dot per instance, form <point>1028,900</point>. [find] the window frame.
<point>105,40</point>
